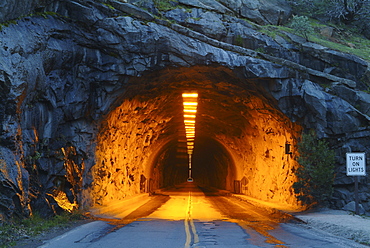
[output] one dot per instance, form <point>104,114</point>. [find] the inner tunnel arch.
<point>238,121</point>
<point>212,164</point>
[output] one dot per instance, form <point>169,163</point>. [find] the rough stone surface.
<point>263,12</point>
<point>11,9</point>
<point>351,206</point>
<point>61,76</point>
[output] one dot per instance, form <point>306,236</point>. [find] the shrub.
<point>316,176</point>
<point>349,11</point>
<point>355,13</point>
<point>302,26</point>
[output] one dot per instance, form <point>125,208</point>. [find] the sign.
<point>356,164</point>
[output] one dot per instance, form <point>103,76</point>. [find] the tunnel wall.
<point>124,149</point>
<point>264,169</point>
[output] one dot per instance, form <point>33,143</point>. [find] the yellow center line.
<point>188,220</point>
<point>196,238</point>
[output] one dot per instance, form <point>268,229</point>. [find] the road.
<point>191,217</point>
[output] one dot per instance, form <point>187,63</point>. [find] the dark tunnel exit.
<point>211,164</point>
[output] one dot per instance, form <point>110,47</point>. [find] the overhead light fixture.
<point>190,95</point>
<point>190,110</point>
<point>190,104</point>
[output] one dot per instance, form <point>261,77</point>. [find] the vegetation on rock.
<point>17,230</point>
<point>302,25</point>
<point>316,176</point>
<point>353,13</point>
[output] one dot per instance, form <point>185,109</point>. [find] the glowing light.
<point>190,131</point>
<point>62,200</point>
<point>190,110</point>
<point>190,104</point>
<point>190,95</point>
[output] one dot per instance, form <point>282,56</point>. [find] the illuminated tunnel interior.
<point>211,164</point>
<point>239,144</point>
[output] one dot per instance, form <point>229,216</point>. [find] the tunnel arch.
<point>237,120</point>
<point>212,165</point>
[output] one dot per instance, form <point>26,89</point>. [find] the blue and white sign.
<point>356,164</point>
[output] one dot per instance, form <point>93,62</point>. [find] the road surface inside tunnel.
<point>192,216</point>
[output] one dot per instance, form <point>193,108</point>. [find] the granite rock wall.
<point>62,74</point>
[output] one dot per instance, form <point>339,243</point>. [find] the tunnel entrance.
<point>241,137</point>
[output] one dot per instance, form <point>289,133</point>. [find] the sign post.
<point>356,166</point>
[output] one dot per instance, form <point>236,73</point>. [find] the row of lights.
<point>190,102</point>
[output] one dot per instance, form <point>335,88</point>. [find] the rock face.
<point>12,9</point>
<point>63,76</point>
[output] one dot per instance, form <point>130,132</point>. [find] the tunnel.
<point>240,144</point>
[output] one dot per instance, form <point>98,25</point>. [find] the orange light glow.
<point>190,103</point>
<point>190,95</point>
<point>190,109</point>
<point>62,200</point>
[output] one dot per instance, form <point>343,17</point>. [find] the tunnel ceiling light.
<point>190,95</point>
<point>190,110</point>
<point>193,104</point>
<point>190,130</point>
<point>190,104</point>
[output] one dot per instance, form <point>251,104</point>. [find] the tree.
<point>316,174</point>
<point>354,13</point>
<point>302,26</point>
<point>348,11</point>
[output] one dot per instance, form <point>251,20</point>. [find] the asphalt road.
<point>192,217</point>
